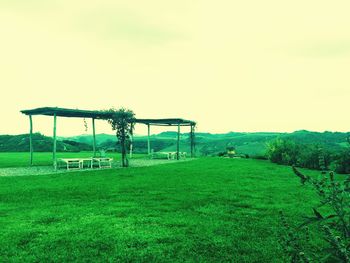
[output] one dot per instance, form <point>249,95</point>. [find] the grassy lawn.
<point>206,210</point>
<point>21,159</point>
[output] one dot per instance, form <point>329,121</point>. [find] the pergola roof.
<point>63,112</point>
<point>166,122</point>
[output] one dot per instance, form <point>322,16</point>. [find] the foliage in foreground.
<point>335,226</point>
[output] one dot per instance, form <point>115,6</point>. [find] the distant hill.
<point>206,143</point>
<point>251,143</point>
<point>41,143</point>
<point>87,139</point>
<point>255,143</point>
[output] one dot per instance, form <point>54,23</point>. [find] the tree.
<point>283,152</point>
<point>343,160</point>
<point>123,122</point>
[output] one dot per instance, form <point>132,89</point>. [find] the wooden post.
<point>54,142</point>
<point>178,143</point>
<point>149,139</point>
<point>192,140</point>
<point>131,141</point>
<point>94,137</point>
<point>31,139</point>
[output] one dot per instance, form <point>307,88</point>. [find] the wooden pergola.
<point>100,115</point>
<point>170,122</point>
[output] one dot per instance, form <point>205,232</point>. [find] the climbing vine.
<point>123,122</point>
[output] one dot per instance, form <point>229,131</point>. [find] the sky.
<point>229,65</point>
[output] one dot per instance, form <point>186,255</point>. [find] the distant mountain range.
<point>206,143</point>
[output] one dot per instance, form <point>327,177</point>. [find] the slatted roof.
<point>63,112</point>
<point>166,122</point>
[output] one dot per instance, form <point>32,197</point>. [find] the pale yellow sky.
<point>229,65</point>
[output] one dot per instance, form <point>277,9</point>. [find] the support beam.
<point>192,141</point>
<point>31,139</point>
<point>54,142</point>
<point>131,145</point>
<point>94,137</point>
<point>149,139</point>
<point>178,143</point>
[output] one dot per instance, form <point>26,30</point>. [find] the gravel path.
<point>15,171</point>
<point>37,170</point>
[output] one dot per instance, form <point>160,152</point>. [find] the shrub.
<point>222,154</point>
<point>314,157</point>
<point>288,152</point>
<point>343,162</point>
<point>283,152</point>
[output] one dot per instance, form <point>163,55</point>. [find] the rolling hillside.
<point>210,144</point>
<point>41,143</point>
<point>253,144</point>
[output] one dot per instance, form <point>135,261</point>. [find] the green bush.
<point>288,152</point>
<point>343,163</point>
<point>283,152</point>
<point>314,157</point>
<point>222,154</point>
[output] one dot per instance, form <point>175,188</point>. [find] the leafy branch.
<point>335,226</point>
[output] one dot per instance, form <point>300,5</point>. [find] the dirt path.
<point>37,170</point>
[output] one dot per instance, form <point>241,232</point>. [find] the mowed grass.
<point>22,159</point>
<point>206,210</point>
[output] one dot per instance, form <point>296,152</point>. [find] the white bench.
<point>74,163</point>
<point>78,163</point>
<point>168,155</point>
<point>102,162</point>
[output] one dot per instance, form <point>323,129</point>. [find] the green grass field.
<point>21,159</point>
<point>206,210</point>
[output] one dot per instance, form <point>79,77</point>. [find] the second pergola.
<point>170,122</point>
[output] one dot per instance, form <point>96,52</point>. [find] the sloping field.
<point>206,210</point>
<point>21,159</point>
